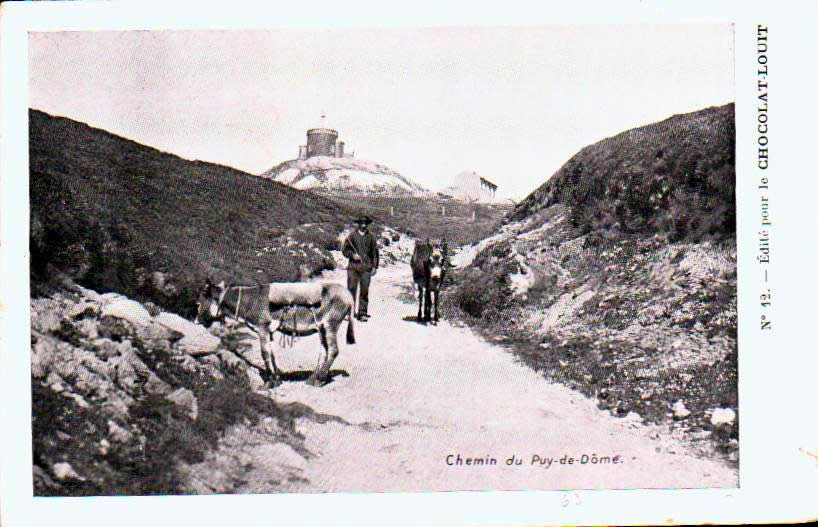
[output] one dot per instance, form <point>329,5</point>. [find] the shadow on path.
<point>303,375</point>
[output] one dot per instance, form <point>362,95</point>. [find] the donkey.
<point>287,308</point>
<point>428,272</point>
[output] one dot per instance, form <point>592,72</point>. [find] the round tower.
<point>321,142</point>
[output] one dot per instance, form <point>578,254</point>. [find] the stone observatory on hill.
<point>324,166</point>
<point>322,142</point>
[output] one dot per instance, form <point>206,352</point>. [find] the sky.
<point>511,103</point>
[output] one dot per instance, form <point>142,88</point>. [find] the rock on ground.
<point>185,399</point>
<point>196,339</point>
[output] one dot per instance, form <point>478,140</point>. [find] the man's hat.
<point>363,220</point>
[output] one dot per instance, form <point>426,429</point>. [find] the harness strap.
<point>238,303</point>
<point>295,325</point>
<point>289,340</point>
<point>314,318</point>
<point>221,299</point>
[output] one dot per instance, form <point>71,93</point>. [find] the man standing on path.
<point>362,250</point>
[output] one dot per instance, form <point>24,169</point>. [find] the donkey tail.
<point>350,326</point>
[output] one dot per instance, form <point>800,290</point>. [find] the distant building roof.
<point>488,183</point>
<point>322,131</point>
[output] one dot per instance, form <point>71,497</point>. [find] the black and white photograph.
<point>383,260</point>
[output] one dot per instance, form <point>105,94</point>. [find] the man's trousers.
<point>354,278</point>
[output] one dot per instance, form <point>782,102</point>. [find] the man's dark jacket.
<point>365,246</point>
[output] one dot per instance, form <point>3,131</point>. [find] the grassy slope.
<point>627,261</point>
<point>106,209</point>
<point>109,212</point>
<point>674,178</point>
<point>423,216</point>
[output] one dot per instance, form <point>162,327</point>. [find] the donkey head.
<point>208,303</point>
<point>436,262</point>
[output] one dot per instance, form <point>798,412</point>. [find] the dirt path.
<point>418,397</point>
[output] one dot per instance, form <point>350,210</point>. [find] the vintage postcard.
<point>314,264</point>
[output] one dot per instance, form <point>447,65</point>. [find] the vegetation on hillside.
<point>674,178</point>
<point>120,216</point>
<point>121,405</point>
<point>430,216</point>
<point>617,276</point>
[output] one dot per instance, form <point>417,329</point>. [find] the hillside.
<point>433,216</point>
<point>391,199</point>
<point>127,396</point>
<point>348,176</point>
<point>130,400</point>
<point>617,277</point>
<point>675,178</point>
<point>120,216</point>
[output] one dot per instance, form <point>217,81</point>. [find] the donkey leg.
<point>437,305</point>
<point>350,326</point>
<point>427,308</point>
<point>314,379</point>
<point>332,353</point>
<point>420,302</point>
<point>276,371</point>
<point>265,342</point>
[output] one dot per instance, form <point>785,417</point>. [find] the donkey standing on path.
<point>428,272</point>
<point>288,308</point>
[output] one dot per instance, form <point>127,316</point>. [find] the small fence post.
<point>443,210</point>
<point>391,211</point>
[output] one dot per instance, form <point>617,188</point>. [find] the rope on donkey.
<point>240,288</point>
<point>289,340</point>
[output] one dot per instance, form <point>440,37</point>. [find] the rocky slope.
<point>130,400</point>
<point>347,176</point>
<point>618,276</point>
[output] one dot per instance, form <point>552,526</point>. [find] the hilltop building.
<point>322,142</point>
<point>470,186</point>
